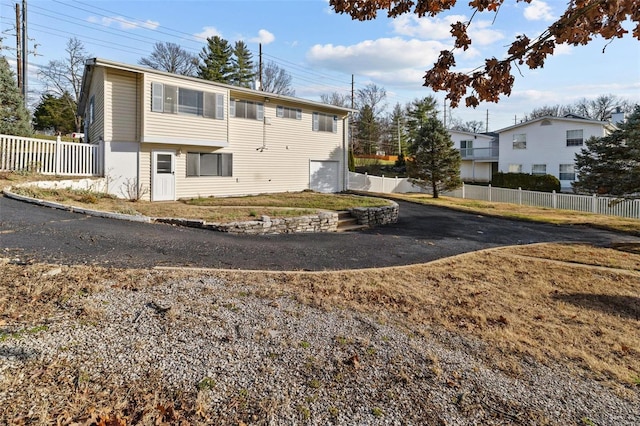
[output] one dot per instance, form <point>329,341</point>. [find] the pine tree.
<point>216,60</point>
<point>434,161</point>
<point>55,112</point>
<point>611,164</point>
<point>242,62</point>
<point>14,117</point>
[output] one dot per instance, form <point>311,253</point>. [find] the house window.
<point>567,172</point>
<point>520,141</point>
<point>173,100</point>
<point>515,168</point>
<point>574,137</point>
<point>204,164</point>
<point>286,112</point>
<point>325,122</point>
<point>246,109</point>
<point>466,148</point>
<point>539,169</point>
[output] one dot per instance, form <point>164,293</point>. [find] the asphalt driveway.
<point>423,233</point>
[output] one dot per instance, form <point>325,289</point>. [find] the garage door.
<point>323,176</point>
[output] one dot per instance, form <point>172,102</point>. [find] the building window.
<point>324,122</point>
<point>92,106</point>
<point>567,172</point>
<point>286,112</point>
<point>466,148</point>
<point>515,168</point>
<point>520,141</point>
<point>246,109</point>
<point>574,137</point>
<point>173,100</point>
<point>204,164</point>
<point>539,169</point>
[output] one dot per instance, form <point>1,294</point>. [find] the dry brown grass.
<point>575,305</point>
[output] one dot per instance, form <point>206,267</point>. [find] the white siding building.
<point>479,154</point>
<point>183,137</point>
<point>547,145</point>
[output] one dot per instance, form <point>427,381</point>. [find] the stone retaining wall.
<point>372,216</point>
<point>322,222</point>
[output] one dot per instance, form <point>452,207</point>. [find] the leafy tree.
<point>276,80</point>
<point>242,62</point>
<point>172,58</point>
<point>14,117</point>
<point>55,113</point>
<point>581,22</point>
<point>65,76</point>
<point>611,164</point>
<point>435,163</point>
<point>216,62</point>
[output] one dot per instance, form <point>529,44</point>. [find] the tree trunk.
<point>434,188</point>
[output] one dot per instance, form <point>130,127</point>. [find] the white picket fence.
<point>50,157</point>
<point>554,200</point>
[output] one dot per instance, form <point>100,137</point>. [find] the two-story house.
<point>171,136</point>
<point>479,153</point>
<point>547,145</point>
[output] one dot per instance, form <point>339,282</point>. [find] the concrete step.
<point>346,223</point>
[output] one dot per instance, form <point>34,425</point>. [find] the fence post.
<point>383,185</point>
<point>554,199</point>
<point>520,195</point>
<point>489,192</point>
<point>56,156</point>
<point>594,203</point>
<point>463,192</point>
<point>395,188</point>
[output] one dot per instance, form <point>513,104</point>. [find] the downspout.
<point>345,153</point>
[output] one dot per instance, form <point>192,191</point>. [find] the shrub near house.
<point>544,183</point>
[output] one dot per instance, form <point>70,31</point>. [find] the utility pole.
<point>18,49</point>
<point>487,122</point>
<point>25,52</point>
<point>260,65</point>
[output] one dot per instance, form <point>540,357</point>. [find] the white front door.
<point>163,177</point>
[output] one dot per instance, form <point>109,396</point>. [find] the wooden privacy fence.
<point>554,200</point>
<point>50,157</point>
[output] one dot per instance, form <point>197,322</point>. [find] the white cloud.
<point>123,23</point>
<point>426,28</point>
<point>384,54</point>
<point>538,10</point>
<point>264,37</point>
<point>208,32</point>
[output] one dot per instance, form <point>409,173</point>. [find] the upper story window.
<point>466,148</point>
<point>92,107</point>
<point>178,100</point>
<point>520,141</point>
<point>246,109</point>
<point>286,112</point>
<point>325,122</point>
<point>574,137</point>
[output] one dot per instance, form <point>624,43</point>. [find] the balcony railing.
<point>490,153</point>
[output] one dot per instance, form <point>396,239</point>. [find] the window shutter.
<point>299,114</point>
<point>193,164</point>
<point>259,112</point>
<point>316,118</point>
<point>219,106</point>
<point>335,124</point>
<point>226,168</point>
<point>232,108</point>
<point>209,109</point>
<point>280,111</point>
<point>157,97</point>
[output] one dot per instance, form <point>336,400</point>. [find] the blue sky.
<point>322,50</point>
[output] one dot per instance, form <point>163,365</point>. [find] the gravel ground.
<point>251,360</point>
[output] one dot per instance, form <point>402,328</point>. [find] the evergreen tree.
<point>55,113</point>
<point>398,129</point>
<point>435,162</point>
<point>216,62</point>
<point>368,129</point>
<point>242,62</point>
<point>611,164</point>
<point>417,114</point>
<point>14,117</point>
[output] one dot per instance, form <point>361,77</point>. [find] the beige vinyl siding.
<point>97,128</point>
<point>282,166</point>
<point>121,106</point>
<point>182,126</point>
